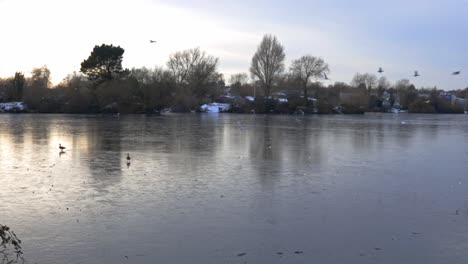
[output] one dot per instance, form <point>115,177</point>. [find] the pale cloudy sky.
<point>352,36</point>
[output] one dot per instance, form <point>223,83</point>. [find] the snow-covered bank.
<point>215,107</point>
<point>13,107</point>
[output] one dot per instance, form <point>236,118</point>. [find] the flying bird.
<point>152,41</point>
<point>380,70</point>
<point>325,76</point>
<point>416,73</point>
<point>456,73</point>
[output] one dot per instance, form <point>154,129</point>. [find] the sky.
<point>351,36</point>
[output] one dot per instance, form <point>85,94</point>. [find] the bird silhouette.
<point>152,41</point>
<point>128,157</point>
<point>325,76</point>
<point>62,148</point>
<point>456,73</point>
<point>380,70</point>
<point>416,74</point>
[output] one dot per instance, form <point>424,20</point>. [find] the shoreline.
<point>224,113</point>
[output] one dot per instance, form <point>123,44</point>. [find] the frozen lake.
<point>209,188</point>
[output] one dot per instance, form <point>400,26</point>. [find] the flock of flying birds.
<point>416,73</point>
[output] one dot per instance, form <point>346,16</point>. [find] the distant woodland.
<point>191,78</point>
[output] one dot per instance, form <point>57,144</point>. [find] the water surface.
<point>206,188</point>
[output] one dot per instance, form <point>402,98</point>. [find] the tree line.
<point>191,78</point>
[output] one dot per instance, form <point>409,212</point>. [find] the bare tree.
<point>239,83</point>
<point>406,92</point>
<point>307,68</point>
<point>239,79</point>
<point>268,62</point>
<point>402,84</point>
<point>37,89</point>
<point>18,83</point>
<point>382,86</point>
<point>368,80</point>
<point>41,77</point>
<point>195,75</point>
<point>192,66</point>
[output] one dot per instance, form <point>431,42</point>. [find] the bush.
<point>119,96</point>
<point>324,107</point>
<point>444,106</point>
<point>352,109</point>
<point>265,105</point>
<point>421,106</point>
<point>10,246</point>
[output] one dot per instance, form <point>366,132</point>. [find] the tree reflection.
<point>105,151</point>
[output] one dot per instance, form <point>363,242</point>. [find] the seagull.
<point>416,73</point>
<point>128,157</point>
<point>380,70</point>
<point>62,148</point>
<point>152,41</point>
<point>456,73</point>
<point>325,76</point>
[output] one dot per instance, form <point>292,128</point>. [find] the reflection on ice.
<point>206,188</point>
